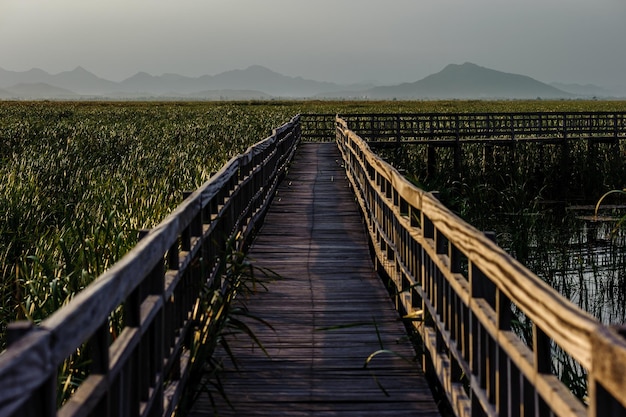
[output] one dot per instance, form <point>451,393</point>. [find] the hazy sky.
<point>391,41</point>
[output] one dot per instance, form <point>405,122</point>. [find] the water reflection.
<point>581,256</point>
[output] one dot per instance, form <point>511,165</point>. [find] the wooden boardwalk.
<point>329,310</point>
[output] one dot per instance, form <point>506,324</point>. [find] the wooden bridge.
<point>329,311</point>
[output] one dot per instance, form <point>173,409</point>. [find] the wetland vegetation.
<point>81,179</point>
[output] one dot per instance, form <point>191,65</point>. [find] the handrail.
<point>463,286</point>
<point>318,127</point>
<point>479,126</point>
<point>143,371</point>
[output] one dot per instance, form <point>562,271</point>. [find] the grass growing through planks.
<point>221,313</point>
<point>382,350</point>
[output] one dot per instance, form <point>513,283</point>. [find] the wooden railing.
<point>143,371</point>
<point>450,127</point>
<point>462,292</point>
<point>317,127</point>
<point>446,129</point>
<point>537,145</point>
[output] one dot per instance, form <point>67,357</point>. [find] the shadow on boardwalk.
<point>323,311</point>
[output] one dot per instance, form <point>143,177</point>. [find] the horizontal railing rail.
<point>446,129</point>
<point>155,286</point>
<point>497,143</point>
<point>460,291</point>
<point>318,127</point>
<point>450,127</point>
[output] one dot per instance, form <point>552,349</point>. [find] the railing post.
<point>542,353</point>
<point>607,376</point>
<point>488,160</point>
<point>503,322</point>
<point>512,121</point>
<point>504,386</point>
<point>195,228</point>
<point>481,346</point>
<point>457,148</point>
<point>99,355</point>
<point>481,287</point>
<point>43,401</point>
<point>428,229</point>
<point>565,166</point>
<point>431,160</point>
<point>398,141</point>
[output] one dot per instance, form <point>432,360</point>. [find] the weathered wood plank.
<point>329,309</point>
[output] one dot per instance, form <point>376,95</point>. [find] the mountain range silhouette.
<point>465,81</point>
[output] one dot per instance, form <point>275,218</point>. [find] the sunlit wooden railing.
<point>461,292</point>
<point>143,371</point>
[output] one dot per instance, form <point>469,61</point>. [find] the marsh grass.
<point>81,179</point>
<point>221,314</point>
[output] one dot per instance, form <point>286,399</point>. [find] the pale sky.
<point>390,41</point>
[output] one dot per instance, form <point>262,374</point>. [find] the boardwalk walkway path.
<point>329,311</point>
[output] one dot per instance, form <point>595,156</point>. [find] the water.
<point>582,257</point>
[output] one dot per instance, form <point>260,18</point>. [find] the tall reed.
<point>81,179</point>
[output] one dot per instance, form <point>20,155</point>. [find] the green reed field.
<point>80,179</point>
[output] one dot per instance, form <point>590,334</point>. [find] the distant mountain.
<point>470,81</point>
<point>82,81</point>
<point>619,90</point>
<point>466,81</point>
<point>33,91</point>
<point>5,94</point>
<point>230,95</point>
<point>254,78</point>
<point>79,80</point>
<point>9,78</point>
<point>252,82</point>
<point>587,90</point>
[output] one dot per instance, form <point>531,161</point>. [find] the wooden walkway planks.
<point>329,310</point>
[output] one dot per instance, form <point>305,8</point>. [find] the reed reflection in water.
<point>581,256</point>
